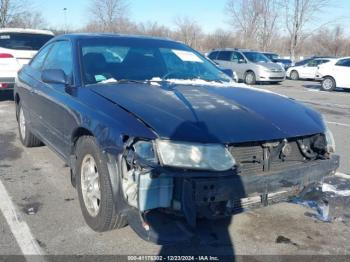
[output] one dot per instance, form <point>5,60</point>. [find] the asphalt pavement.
<point>40,211</point>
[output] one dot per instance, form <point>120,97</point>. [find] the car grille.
<point>250,158</point>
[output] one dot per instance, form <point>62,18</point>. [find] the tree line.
<point>283,26</point>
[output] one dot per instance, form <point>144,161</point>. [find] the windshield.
<point>271,56</point>
<point>256,57</point>
<point>23,41</point>
<point>118,59</point>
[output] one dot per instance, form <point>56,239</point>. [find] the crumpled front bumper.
<point>211,196</point>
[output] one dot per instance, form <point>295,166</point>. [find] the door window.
<point>213,55</point>
<point>60,57</point>
<point>237,57</point>
<point>224,56</point>
<point>343,62</point>
<point>313,63</point>
<point>39,59</point>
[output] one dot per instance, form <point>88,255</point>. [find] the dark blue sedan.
<point>157,137</point>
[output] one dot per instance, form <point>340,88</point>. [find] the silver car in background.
<point>250,66</point>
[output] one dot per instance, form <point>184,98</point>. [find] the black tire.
<point>328,84</point>
<point>294,75</point>
<point>25,135</point>
<point>250,78</point>
<point>108,217</point>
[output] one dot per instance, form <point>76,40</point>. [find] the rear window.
<point>23,41</point>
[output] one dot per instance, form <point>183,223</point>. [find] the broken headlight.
<point>329,138</point>
<point>194,156</point>
<point>145,150</point>
<point>330,141</point>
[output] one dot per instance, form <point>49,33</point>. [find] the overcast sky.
<point>208,13</point>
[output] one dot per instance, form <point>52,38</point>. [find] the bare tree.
<point>108,15</point>
<point>244,17</point>
<point>154,29</point>
<point>268,21</point>
<point>26,19</point>
<point>10,10</point>
<point>219,39</point>
<point>298,15</point>
<point>188,31</point>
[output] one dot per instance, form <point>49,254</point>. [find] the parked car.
<point>229,72</point>
<point>285,63</point>
<point>158,137</point>
<point>17,47</point>
<point>307,71</point>
<point>250,66</point>
<point>307,60</point>
<point>334,74</point>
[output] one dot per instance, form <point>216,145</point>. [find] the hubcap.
<point>22,124</point>
<point>294,76</point>
<point>327,84</point>
<point>90,185</point>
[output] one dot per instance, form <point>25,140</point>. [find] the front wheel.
<point>250,78</point>
<point>294,75</point>
<point>328,84</point>
<point>94,187</point>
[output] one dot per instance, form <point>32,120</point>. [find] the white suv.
<point>17,47</point>
<point>334,74</point>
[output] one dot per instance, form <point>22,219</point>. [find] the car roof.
<point>233,49</point>
<point>26,30</point>
<point>328,58</point>
<point>78,36</point>
<point>341,58</point>
<point>271,53</point>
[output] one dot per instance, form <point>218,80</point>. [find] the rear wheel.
<point>328,84</point>
<point>94,187</point>
<point>294,75</point>
<point>25,135</point>
<point>250,78</point>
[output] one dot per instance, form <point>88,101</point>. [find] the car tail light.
<point>6,56</point>
<point>3,85</point>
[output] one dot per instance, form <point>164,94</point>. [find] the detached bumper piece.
<point>219,196</point>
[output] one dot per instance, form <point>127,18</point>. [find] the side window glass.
<point>213,55</point>
<point>60,57</point>
<point>225,56</point>
<point>343,62</point>
<point>237,57</point>
<point>39,59</point>
<point>312,63</point>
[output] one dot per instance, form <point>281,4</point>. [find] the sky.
<point>208,13</point>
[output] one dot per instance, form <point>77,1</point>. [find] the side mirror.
<point>241,61</point>
<point>228,72</point>
<point>54,76</point>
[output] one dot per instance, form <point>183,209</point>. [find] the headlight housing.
<point>330,141</point>
<point>194,156</point>
<point>329,138</point>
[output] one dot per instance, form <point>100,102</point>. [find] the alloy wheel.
<point>90,185</point>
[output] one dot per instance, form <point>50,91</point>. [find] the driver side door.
<point>309,70</point>
<point>51,99</point>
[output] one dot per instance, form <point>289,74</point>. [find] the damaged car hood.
<point>210,114</point>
